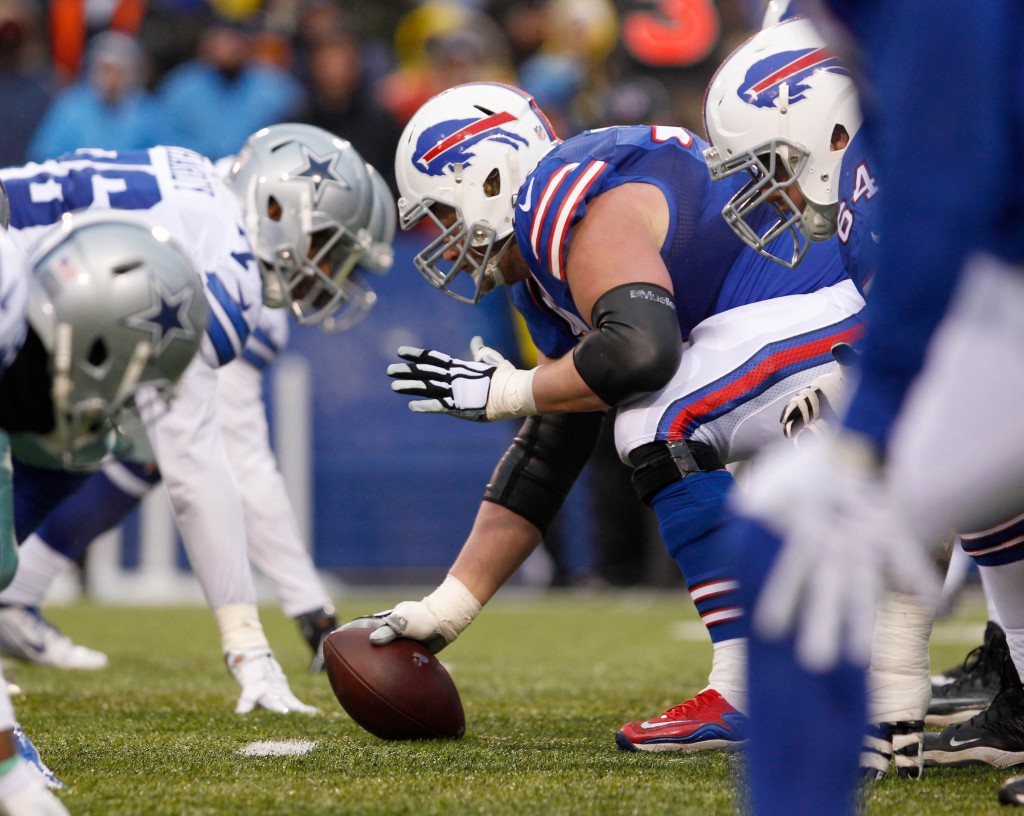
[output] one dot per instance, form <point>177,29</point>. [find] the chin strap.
<point>493,271</point>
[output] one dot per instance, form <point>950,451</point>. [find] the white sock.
<point>986,578</point>
<point>1003,586</point>
<point>729,672</point>
<point>38,565</point>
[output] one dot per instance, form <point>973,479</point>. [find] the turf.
<point>545,679</point>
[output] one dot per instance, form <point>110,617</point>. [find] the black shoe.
<point>993,737</point>
<point>974,685</point>
<point>315,626</point>
<point>1011,792</point>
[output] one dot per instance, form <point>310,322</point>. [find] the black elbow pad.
<point>635,346</point>
<point>542,464</point>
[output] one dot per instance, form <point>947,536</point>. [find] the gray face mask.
<point>302,187</point>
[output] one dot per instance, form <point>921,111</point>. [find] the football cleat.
<point>993,737</point>
<point>27,635</point>
<point>899,742</point>
<point>1011,792</point>
<point>315,627</point>
<point>263,683</point>
<point>31,756</point>
<point>704,722</point>
<point>963,691</point>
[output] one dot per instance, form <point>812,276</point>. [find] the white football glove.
<point>435,621</point>
<point>843,542</point>
<point>263,683</point>
<point>486,388</point>
<point>813,407</point>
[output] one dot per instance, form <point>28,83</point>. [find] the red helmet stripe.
<point>487,123</point>
<point>806,61</point>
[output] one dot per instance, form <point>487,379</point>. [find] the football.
<point>398,691</point>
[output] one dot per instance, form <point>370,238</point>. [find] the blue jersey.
<point>711,269</point>
<point>168,187</point>
<point>856,224</point>
<point>942,87</point>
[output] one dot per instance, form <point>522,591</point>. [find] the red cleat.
<point>707,721</point>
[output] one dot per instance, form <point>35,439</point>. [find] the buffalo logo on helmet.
<point>764,78</point>
<point>451,142</point>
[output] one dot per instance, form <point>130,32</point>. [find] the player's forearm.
<point>558,388</point>
<point>497,546</point>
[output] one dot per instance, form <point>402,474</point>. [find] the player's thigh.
<point>739,370</point>
<point>957,451</point>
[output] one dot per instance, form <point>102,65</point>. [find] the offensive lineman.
<point>639,298</point>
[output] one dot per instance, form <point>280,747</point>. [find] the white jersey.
<point>180,191</point>
<point>268,339</point>
<point>170,187</point>
<point>13,300</point>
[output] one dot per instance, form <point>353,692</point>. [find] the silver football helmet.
<point>310,201</point>
<point>460,164</point>
<point>118,307</point>
<point>781,108</point>
<point>360,297</point>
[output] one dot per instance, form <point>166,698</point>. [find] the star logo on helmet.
<point>166,318</point>
<point>322,171</point>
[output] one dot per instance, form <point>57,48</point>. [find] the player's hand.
<point>485,388</point>
<point>843,542</point>
<point>410,619</point>
<point>811,410</point>
<point>263,684</point>
<point>434,621</point>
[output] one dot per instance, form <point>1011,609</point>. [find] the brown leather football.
<point>398,691</point>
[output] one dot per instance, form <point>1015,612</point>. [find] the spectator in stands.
<point>440,45</point>
<point>213,102</point>
<point>73,23</point>
<point>25,79</point>
<point>109,108</point>
<point>341,100</point>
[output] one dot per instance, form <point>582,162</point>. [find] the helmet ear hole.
<point>492,184</point>
<point>274,209</point>
<point>840,137</point>
<point>128,266</point>
<point>98,353</point>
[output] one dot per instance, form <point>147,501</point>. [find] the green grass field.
<point>545,679</point>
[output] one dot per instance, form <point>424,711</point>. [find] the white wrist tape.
<point>454,606</point>
<point>511,392</point>
<point>240,628</point>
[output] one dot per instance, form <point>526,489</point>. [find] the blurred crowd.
<point>204,74</point>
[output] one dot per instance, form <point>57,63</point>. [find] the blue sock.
<point>805,729</point>
<point>96,507</point>
<point>37,491</point>
<point>692,515</point>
